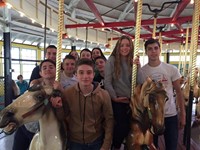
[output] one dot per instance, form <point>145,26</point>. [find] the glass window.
<point>28,54</point>
<point>15,70</point>
<point>42,55</point>
<point>27,70</point>
<point>15,54</point>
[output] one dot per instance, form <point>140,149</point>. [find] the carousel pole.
<point>180,57</point>
<point>160,40</point>
<point>59,40</point>
<point>186,51</point>
<point>154,26</point>
<point>136,45</point>
<point>195,23</point>
<point>135,54</point>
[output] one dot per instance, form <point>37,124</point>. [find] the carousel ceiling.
<point>116,16</point>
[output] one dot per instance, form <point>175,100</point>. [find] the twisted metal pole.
<point>186,51</point>
<point>154,27</point>
<point>136,44</point>
<point>59,40</point>
<point>195,31</point>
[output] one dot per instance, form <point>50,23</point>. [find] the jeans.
<point>95,145</point>
<point>22,139</point>
<point>122,118</point>
<point>170,134</point>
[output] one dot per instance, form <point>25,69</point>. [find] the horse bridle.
<point>35,108</point>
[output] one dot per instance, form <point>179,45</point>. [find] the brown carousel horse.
<point>147,115</point>
<point>186,87</point>
<point>31,106</point>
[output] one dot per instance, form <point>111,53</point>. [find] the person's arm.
<point>109,121</point>
<point>108,83</point>
<point>16,89</point>
<point>180,102</point>
<point>108,79</point>
<point>35,82</point>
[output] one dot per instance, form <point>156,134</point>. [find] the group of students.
<point>96,94</point>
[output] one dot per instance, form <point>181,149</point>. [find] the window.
<point>28,54</point>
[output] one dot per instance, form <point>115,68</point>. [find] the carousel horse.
<point>34,105</point>
<point>196,88</point>
<point>147,115</point>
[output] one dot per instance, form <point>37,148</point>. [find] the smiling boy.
<point>88,111</point>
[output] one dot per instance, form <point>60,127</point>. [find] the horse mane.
<point>137,104</point>
<point>140,99</point>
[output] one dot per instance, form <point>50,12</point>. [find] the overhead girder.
<point>164,33</point>
<point>93,8</point>
<point>180,20</point>
<point>181,6</point>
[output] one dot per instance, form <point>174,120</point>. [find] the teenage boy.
<point>67,77</point>
<point>169,76</point>
<point>23,137</point>
<point>88,111</point>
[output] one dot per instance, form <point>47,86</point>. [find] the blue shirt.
<point>22,86</point>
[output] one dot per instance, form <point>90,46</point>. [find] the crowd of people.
<point>97,92</point>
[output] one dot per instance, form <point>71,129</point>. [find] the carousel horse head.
<point>34,105</point>
<point>186,88</point>
<point>147,112</point>
<point>149,99</point>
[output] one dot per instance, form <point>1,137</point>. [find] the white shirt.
<point>67,81</point>
<point>165,73</point>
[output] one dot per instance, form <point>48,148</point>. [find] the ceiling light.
<point>172,25</point>
<point>21,14</point>
<point>32,20</point>
<point>52,30</point>
<point>191,1</point>
<point>9,6</point>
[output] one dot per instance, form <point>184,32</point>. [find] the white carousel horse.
<point>31,106</point>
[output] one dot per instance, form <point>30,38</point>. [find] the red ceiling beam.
<point>125,33</point>
<point>93,8</point>
<point>167,33</point>
<point>181,6</point>
<point>130,23</point>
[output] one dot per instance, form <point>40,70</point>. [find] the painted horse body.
<point>147,114</point>
<point>32,106</point>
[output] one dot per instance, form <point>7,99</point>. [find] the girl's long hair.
<point>116,54</point>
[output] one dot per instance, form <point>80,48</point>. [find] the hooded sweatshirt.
<point>88,117</point>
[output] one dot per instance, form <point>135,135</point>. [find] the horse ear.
<point>48,90</point>
<point>35,87</point>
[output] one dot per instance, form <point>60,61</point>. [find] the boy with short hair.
<point>170,78</point>
<point>67,77</point>
<point>88,111</point>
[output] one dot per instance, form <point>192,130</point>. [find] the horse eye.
<point>151,98</point>
<point>40,97</point>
